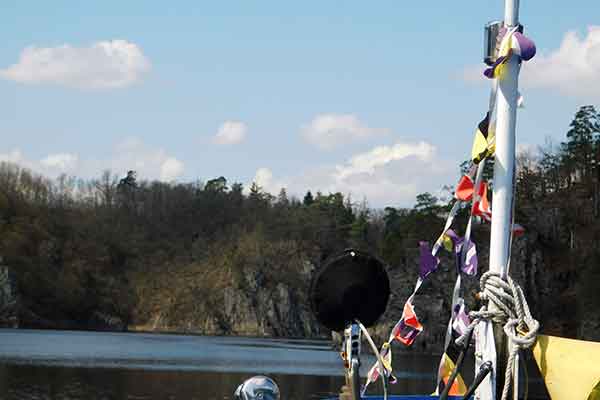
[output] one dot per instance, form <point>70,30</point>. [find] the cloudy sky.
<point>379,101</point>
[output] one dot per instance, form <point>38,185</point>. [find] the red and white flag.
<point>409,327</point>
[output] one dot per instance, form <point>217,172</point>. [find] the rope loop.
<point>511,310</point>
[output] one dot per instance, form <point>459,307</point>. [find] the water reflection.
<point>36,365</point>
<point>32,382</point>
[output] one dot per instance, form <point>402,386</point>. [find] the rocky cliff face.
<point>563,297</point>
<point>252,304</point>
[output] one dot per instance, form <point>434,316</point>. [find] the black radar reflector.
<point>349,286</point>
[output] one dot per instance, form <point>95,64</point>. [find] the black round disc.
<point>352,285</point>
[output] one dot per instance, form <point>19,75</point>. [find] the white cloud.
<point>385,175</point>
<point>230,132</point>
<point>16,156</point>
<point>330,130</point>
<point>382,155</point>
<point>572,69</point>
<point>130,154</point>
<point>13,156</point>
<point>171,169</point>
<point>264,179</point>
<point>103,65</point>
<point>150,163</point>
<point>63,162</point>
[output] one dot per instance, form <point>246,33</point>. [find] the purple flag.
<point>524,46</point>
<point>429,262</point>
<point>492,72</point>
<point>470,265</point>
<point>461,320</point>
<point>452,241</point>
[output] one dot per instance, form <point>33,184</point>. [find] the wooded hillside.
<point>116,251</point>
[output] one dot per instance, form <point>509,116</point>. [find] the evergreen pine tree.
<point>308,199</point>
<point>578,151</point>
<point>282,198</point>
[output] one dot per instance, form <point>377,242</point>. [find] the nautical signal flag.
<point>447,365</point>
<point>409,327</point>
<point>449,240</point>
<point>464,189</point>
<point>469,266</point>
<point>481,205</point>
<point>428,262</point>
<point>453,244</point>
<point>484,143</point>
<point>452,352</point>
<point>375,371</point>
<point>497,69</point>
<point>523,46</point>
<point>513,43</point>
<point>460,320</point>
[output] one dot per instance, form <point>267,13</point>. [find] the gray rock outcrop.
<point>254,303</point>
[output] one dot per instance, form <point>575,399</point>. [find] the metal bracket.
<point>491,41</point>
<point>352,337</point>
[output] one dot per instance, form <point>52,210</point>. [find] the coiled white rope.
<point>512,310</point>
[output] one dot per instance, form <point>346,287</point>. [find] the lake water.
<point>92,365</point>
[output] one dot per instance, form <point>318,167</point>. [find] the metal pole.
<point>504,168</point>
<point>511,12</point>
<point>506,119</point>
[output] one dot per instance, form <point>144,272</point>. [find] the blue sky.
<point>250,90</point>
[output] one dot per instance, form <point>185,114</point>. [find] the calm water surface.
<point>89,365</point>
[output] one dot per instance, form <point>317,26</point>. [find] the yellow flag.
<point>570,368</point>
<point>484,143</point>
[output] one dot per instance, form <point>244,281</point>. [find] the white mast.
<point>504,171</point>
<point>506,112</point>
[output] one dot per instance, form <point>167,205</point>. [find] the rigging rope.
<point>511,310</point>
<point>382,367</point>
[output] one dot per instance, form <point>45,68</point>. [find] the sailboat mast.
<point>504,166</point>
<point>504,174</point>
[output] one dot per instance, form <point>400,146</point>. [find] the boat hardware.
<point>459,363</point>
<point>352,336</point>
<point>257,388</point>
<point>349,292</point>
<point>484,370</point>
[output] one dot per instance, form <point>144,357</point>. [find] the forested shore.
<point>210,257</point>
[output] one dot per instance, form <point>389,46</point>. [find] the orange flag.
<point>464,189</point>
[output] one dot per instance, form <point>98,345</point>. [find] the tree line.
<point>73,244</point>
